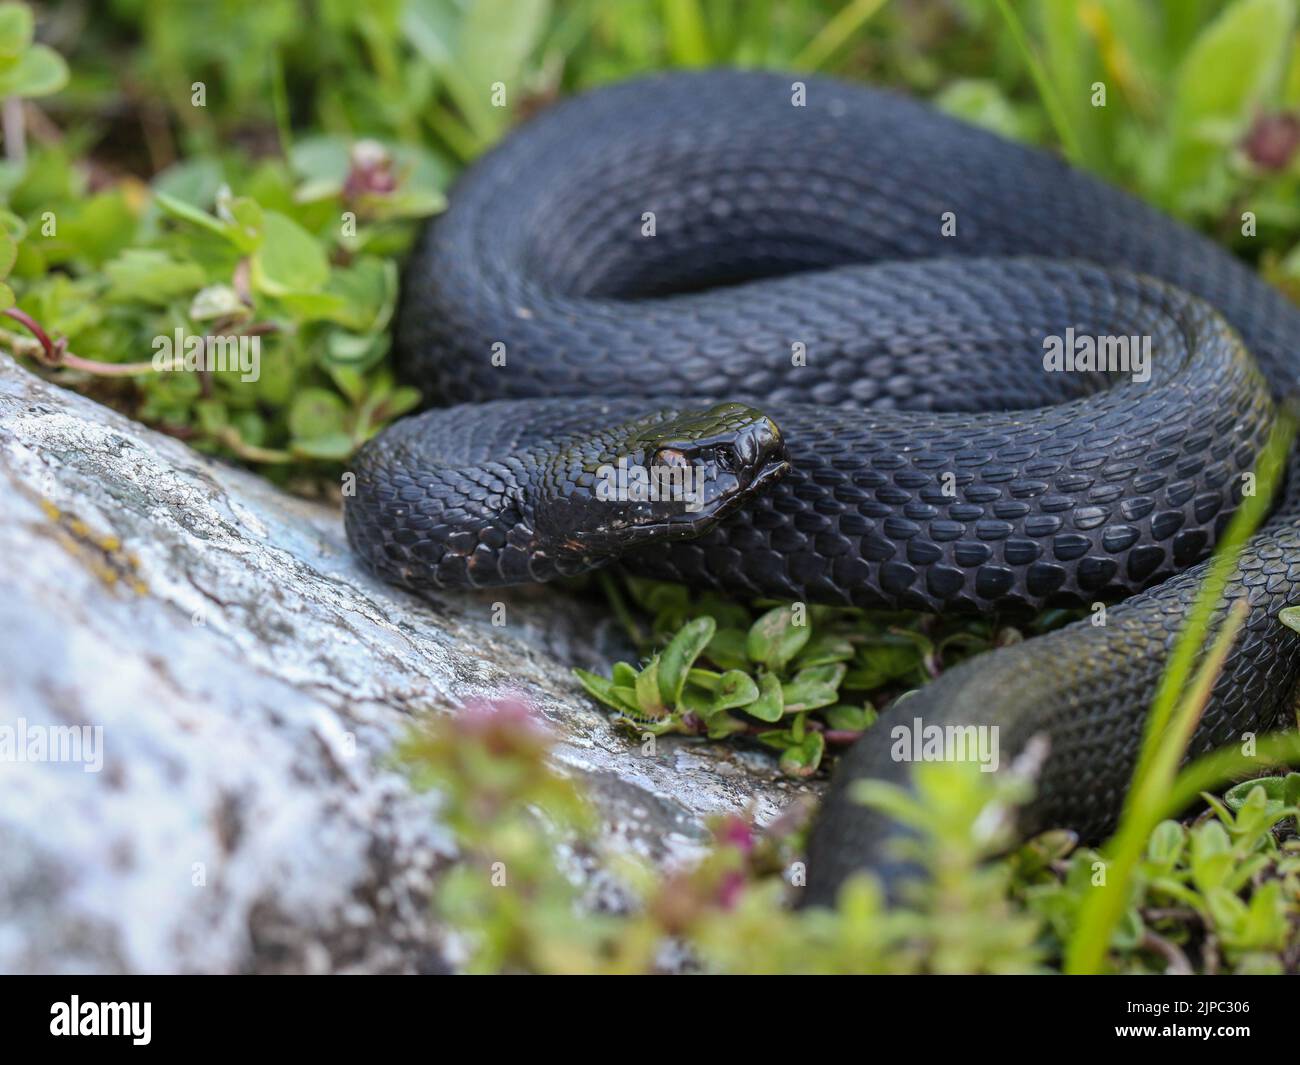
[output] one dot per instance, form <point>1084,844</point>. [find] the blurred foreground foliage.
<point>1220,895</point>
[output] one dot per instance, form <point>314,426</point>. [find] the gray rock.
<point>239,683</point>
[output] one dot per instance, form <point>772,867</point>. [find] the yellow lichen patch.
<point>102,553</point>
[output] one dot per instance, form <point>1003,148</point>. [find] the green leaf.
<point>290,259</point>
<point>194,182</point>
<point>647,690</point>
<point>774,639</point>
<point>15,29</point>
<point>659,597</point>
<point>1165,846</point>
<point>626,696</point>
<point>1265,924</point>
<point>614,695</point>
<point>1259,804</point>
<point>770,704</point>
<point>39,71</point>
<point>318,307</point>
<point>1037,855</point>
<point>824,649</point>
<point>218,301</point>
<point>1291,790</point>
<point>982,102</point>
<point>1272,787</point>
<point>707,679</point>
<point>1212,858</point>
<point>727,649</point>
<point>12,224</point>
<point>886,658</point>
<point>8,252</point>
<point>639,723</point>
<point>317,413</point>
<point>495,38</point>
<point>601,688</point>
<point>695,700</point>
<point>187,212</point>
<point>1226,910</point>
<point>242,224</point>
<point>735,689</point>
<point>404,203</point>
<point>330,446</point>
<point>780,738</point>
<point>1290,617</point>
<point>401,401</point>
<point>1234,61</point>
<point>323,157</point>
<point>1128,932</point>
<point>213,415</point>
<point>803,758</point>
<point>244,220</point>
<point>94,230</point>
<point>146,275</point>
<point>349,349</point>
<point>851,718</point>
<point>813,688</point>
<point>367,290</point>
<point>1231,68</point>
<point>721,725</point>
<point>677,658</point>
<point>688,38</point>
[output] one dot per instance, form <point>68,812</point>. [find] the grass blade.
<point>1175,711</point>
<point>843,25</point>
<point>688,41</point>
<point>1046,90</point>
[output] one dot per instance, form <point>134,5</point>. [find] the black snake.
<point>829,305</point>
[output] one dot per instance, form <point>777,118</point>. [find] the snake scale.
<point>834,310</point>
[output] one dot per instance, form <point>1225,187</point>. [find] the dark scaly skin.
<point>932,463</point>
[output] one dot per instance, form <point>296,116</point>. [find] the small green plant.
<point>794,677</point>
<point>1221,895</point>
<point>301,263</point>
<point>27,69</point>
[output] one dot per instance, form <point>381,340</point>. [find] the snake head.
<point>669,476</point>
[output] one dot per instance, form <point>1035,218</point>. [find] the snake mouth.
<point>739,467</point>
<point>768,476</point>
<point>689,523</point>
<point>674,478</point>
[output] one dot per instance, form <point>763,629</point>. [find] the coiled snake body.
<point>835,314</point>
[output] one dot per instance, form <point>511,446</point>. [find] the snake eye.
<point>670,456</point>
